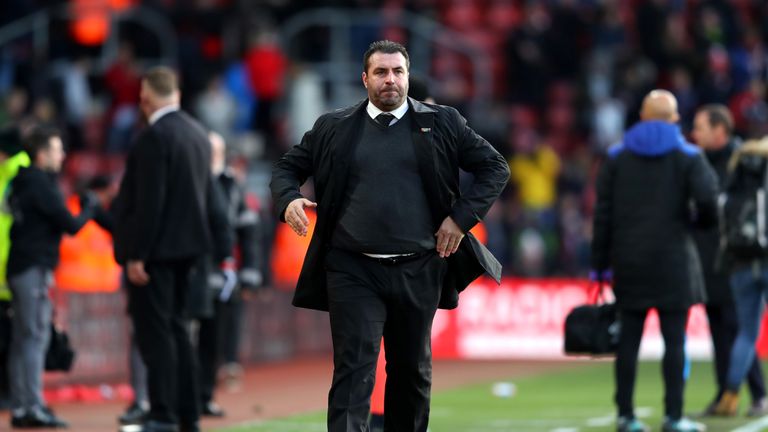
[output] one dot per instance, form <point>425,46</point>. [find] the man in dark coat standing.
<point>645,191</point>
<point>713,132</point>
<point>40,218</point>
<point>391,243</point>
<point>162,228</point>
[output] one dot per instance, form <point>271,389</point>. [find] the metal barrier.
<point>37,26</point>
<point>342,69</point>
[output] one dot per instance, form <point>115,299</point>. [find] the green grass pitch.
<point>578,400</point>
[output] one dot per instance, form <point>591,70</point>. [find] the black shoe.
<point>134,414</point>
<point>376,422</point>
<point>192,427</point>
<point>212,409</point>
<point>38,418</point>
<point>158,426</point>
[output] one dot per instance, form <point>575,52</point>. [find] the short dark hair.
<point>386,47</point>
<point>162,80</point>
<point>719,115</point>
<point>39,139</point>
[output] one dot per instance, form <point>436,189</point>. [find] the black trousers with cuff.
<point>368,299</point>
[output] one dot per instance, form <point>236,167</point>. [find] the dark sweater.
<point>40,217</point>
<point>385,209</point>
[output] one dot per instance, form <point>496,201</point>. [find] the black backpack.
<point>742,210</point>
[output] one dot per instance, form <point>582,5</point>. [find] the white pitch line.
<point>601,421</point>
<point>608,420</point>
<point>755,426</point>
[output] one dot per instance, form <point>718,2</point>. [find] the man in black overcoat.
<point>391,243</point>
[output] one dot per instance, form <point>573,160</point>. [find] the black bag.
<point>592,329</point>
<point>742,212</point>
<point>60,355</point>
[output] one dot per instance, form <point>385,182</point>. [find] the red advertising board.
<point>523,318</point>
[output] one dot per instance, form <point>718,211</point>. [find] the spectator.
<point>266,67</point>
<point>640,232</point>
<point>123,81</point>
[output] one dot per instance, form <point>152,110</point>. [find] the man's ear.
<point>365,79</point>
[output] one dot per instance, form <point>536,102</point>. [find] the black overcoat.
<point>443,143</point>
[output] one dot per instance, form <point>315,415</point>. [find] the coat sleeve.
<point>703,187</point>
<point>150,186</point>
<point>292,170</point>
<point>221,229</point>
<point>601,224</point>
<point>51,203</point>
<point>490,172</point>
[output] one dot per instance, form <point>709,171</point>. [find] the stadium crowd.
<point>568,77</point>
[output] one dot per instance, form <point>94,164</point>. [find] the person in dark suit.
<point>229,284</point>
<point>162,227</point>
<point>646,189</point>
<point>713,132</point>
<point>391,243</point>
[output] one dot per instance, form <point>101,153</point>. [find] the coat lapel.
<point>345,140</point>
<point>422,134</point>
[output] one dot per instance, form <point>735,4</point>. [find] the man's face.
<point>703,132</point>
<point>52,158</point>
<point>386,80</point>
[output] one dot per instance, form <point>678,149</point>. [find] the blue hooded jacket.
<point>653,138</point>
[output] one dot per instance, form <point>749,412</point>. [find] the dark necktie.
<point>384,119</point>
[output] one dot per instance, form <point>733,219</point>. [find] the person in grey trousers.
<point>40,218</point>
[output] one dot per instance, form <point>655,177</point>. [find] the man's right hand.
<point>296,217</point>
<point>136,273</point>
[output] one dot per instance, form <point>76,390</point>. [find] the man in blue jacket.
<point>642,232</point>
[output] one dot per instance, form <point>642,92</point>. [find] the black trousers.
<point>724,326</point>
<point>368,300</point>
<point>217,339</point>
<point>162,334</point>
<point>673,330</point>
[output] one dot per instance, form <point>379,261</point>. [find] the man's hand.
<point>136,273</point>
<point>296,217</point>
<point>448,238</point>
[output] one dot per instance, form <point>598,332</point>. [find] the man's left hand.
<point>448,238</point>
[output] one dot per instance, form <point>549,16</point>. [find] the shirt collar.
<point>398,112</point>
<point>161,112</point>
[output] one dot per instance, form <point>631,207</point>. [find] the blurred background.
<point>551,84</point>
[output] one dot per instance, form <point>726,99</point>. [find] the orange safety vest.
<point>288,253</point>
<point>87,262</point>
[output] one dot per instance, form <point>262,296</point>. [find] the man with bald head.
<point>652,188</point>
<point>660,105</point>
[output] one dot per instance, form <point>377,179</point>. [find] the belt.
<point>399,259</point>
